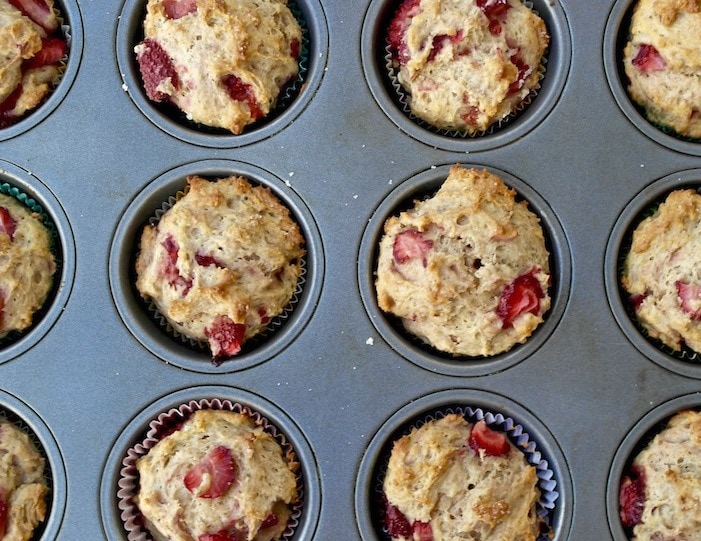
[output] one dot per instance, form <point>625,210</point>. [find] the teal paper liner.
<point>547,482</point>
<point>166,423</point>
<point>54,245</point>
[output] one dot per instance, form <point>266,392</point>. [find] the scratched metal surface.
<point>338,379</point>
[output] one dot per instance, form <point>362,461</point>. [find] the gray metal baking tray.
<point>338,378</point>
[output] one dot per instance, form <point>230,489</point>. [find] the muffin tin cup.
<point>30,191</point>
<point>413,349</point>
<point>22,415</point>
<point>291,102</point>
<point>534,110</point>
<point>615,37</point>
<point>523,429</point>
<point>686,362</point>
<point>72,28</point>
<point>150,328</point>
<point>635,440</point>
<point>118,482</point>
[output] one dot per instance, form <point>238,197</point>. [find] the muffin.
<point>218,476</point>
<point>23,488</point>
<point>221,262</point>
<point>662,271</point>
<point>466,270</point>
<point>450,479</point>
<point>27,265</point>
<point>661,494</point>
<point>662,60</point>
<point>466,64</point>
<point>32,51</point>
<point>221,62</point>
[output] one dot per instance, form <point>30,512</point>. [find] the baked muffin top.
<point>466,270</point>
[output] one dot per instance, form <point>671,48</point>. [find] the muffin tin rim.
<point>657,188</point>
<point>130,19</point>
<point>132,220</point>
<point>466,397</point>
<point>111,522</point>
<point>560,256</point>
<point>535,113</point>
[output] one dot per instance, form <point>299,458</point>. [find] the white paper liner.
<point>547,483</point>
<point>404,98</point>
<point>273,325</point>
<point>167,422</point>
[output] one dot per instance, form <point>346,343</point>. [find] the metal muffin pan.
<point>338,378</point>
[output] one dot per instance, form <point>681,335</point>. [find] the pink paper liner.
<point>166,423</point>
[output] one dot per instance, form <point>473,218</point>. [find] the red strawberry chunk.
<point>295,47</point>
<point>223,535</point>
<point>39,12</point>
<point>240,91</point>
<point>7,223</point>
<point>172,274</point>
<point>637,300</point>
<point>411,244</point>
<point>52,51</point>
<point>690,298</point>
<point>207,260</point>
<point>440,41</point>
<point>422,531</point>
<point>648,59</point>
<point>492,442</point>
<point>398,27</point>
<point>631,498</point>
<point>3,513</point>
<point>523,71</point>
<point>519,297</point>
<point>495,10</point>
<point>156,66</point>
<point>174,9</point>
<point>395,521</point>
<point>270,521</point>
<point>225,337</point>
<point>263,314</point>
<point>213,475</point>
<point>7,117</point>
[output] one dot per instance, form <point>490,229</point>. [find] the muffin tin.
<point>338,378</point>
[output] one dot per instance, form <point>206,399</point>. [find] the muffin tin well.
<point>337,377</point>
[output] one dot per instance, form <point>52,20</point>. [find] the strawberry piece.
<point>7,223</point>
<point>295,48</point>
<point>637,300</point>
<point>7,117</point>
<point>690,299</point>
<point>411,244</point>
<point>240,91</point>
<point>648,59</point>
<point>422,531</point>
<point>519,297</point>
<point>52,51</point>
<point>440,41</point>
<point>270,521</point>
<point>492,442</point>
<point>213,475</point>
<point>174,9</point>
<point>395,521</point>
<point>225,337</point>
<point>39,12</point>
<point>470,114</point>
<point>264,317</point>
<point>398,27</point>
<point>156,66</point>
<point>495,10</point>
<point>523,71</point>
<point>172,274</point>
<point>207,260</point>
<point>4,512</point>
<point>223,535</point>
<point>631,498</point>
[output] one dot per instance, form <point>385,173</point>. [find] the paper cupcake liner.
<point>54,244</point>
<point>403,98</point>
<point>168,422</point>
<point>48,477</point>
<point>685,353</point>
<point>200,345</point>
<point>547,483</point>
